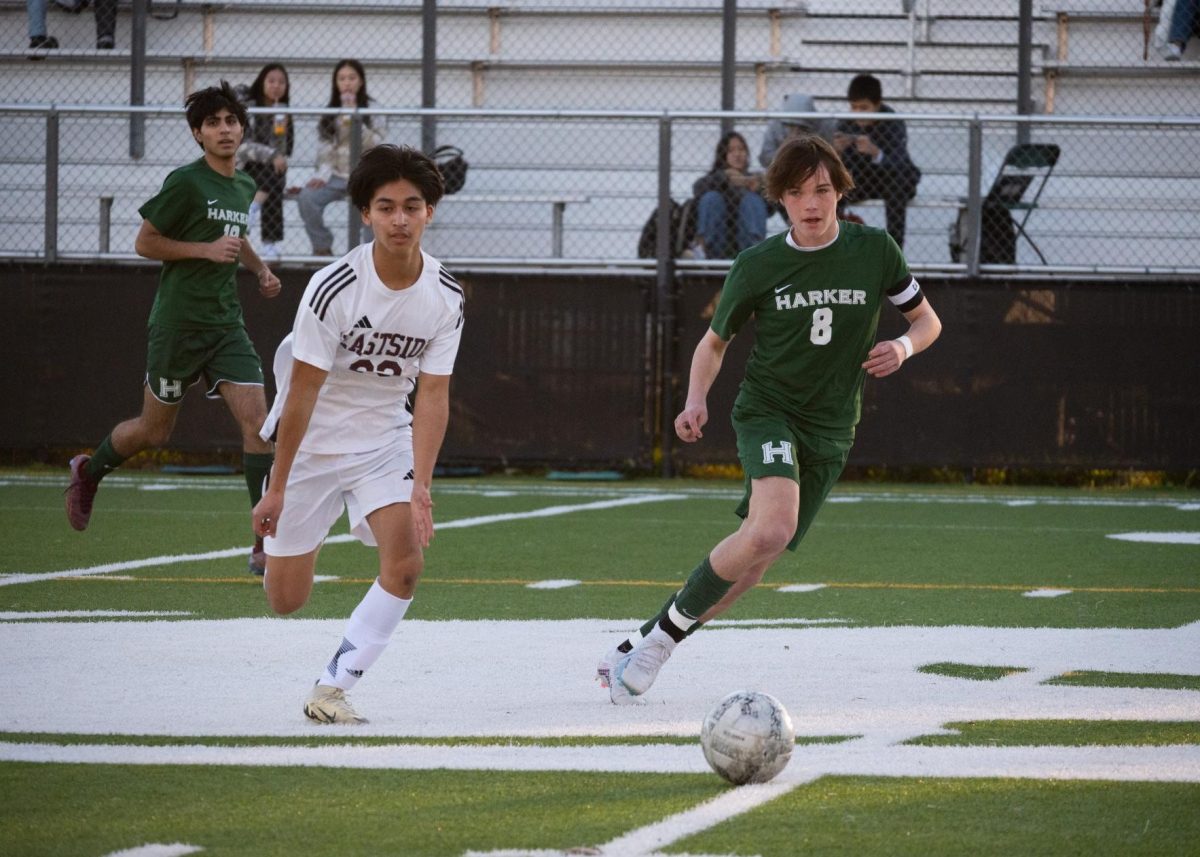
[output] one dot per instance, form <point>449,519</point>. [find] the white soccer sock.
<point>367,634</point>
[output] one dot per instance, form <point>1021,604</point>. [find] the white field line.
<point>18,616</point>
<point>841,494</point>
<point>174,559</point>
<point>158,849</point>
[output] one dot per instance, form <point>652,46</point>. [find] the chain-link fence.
<point>1078,194</point>
<point>511,82</point>
<point>1062,57</point>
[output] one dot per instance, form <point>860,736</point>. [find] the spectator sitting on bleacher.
<point>779,130</point>
<point>333,152</point>
<point>731,213</point>
<point>1184,21</point>
<point>35,13</point>
<point>106,22</point>
<point>265,151</point>
<point>876,153</point>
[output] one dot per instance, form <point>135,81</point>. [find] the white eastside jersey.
<point>373,341</point>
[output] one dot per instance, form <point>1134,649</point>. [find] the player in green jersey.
<point>815,293</point>
<point>196,226</point>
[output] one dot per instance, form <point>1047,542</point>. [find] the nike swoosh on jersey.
<point>781,288</point>
<point>213,201</point>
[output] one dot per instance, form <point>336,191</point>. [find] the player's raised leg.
<point>745,554</point>
<point>151,428</point>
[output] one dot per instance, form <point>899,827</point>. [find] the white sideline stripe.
<point>801,587</point>
<point>841,494</point>
<point>1046,593</point>
<point>1158,538</point>
<point>862,757</point>
<point>157,849</point>
<point>752,622</point>
<point>553,584</point>
<point>647,840</point>
<point>16,616</point>
<point>174,559</point>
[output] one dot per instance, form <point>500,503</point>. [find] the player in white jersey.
<point>348,432</point>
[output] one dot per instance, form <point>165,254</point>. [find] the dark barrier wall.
<point>552,368</point>
<point>556,369</point>
<point>1024,374</point>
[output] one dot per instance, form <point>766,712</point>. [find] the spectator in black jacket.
<point>876,153</point>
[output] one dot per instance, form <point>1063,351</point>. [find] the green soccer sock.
<point>257,467</point>
<point>702,591</point>
<point>103,461</point>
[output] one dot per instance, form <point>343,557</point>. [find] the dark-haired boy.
<point>347,433</point>
<point>196,226</point>
<point>876,153</point>
<point>815,292</point>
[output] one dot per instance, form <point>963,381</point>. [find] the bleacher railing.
<point>574,189</point>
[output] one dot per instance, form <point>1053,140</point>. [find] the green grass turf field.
<point>998,671</point>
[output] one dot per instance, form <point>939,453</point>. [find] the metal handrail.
<point>972,122</point>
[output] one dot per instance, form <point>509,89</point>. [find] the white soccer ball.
<point>748,737</point>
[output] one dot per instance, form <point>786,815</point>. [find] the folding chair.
<point>1026,165</point>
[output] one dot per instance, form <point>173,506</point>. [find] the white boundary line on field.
<point>174,559</point>
<point>841,493</point>
<point>158,849</point>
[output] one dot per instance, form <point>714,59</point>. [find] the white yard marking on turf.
<point>324,578</point>
<point>553,584</point>
<point>751,622</point>
<point>801,587</point>
<point>156,849</point>
<point>1046,593</point>
<point>14,616</point>
<point>1191,538</point>
<point>649,839</point>
<point>549,511</point>
<point>455,679</point>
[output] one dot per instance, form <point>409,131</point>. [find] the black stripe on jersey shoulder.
<point>447,280</point>
<point>900,286</point>
<point>329,288</point>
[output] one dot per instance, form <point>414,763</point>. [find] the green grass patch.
<point>1064,733</point>
<point>981,817</point>
<point>98,809</point>
<point>1157,681</point>
<point>970,671</point>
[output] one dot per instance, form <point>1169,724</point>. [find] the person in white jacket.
<point>349,92</point>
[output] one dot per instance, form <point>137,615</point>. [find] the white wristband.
<point>906,343</point>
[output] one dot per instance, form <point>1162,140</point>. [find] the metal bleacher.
<point>934,57</point>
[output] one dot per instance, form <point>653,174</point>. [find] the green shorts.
<point>772,445</point>
<point>176,359</point>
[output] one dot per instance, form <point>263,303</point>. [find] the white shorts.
<point>320,486</point>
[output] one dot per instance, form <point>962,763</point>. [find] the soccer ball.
<point>748,737</point>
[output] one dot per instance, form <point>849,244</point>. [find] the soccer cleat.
<point>637,671</point>
<point>329,705</point>
<point>258,558</point>
<point>80,493</point>
<point>604,668</point>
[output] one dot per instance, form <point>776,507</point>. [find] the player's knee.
<point>284,603</point>
<point>769,538</point>
<point>400,577</point>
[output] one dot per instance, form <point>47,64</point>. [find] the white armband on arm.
<point>906,344</point>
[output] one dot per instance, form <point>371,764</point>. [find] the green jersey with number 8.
<point>198,204</point>
<point>816,314</point>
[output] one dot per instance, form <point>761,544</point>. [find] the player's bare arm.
<point>430,416</point>
<point>706,363</point>
<point>152,244</point>
<point>924,327</point>
<point>268,284</point>
<point>293,423</point>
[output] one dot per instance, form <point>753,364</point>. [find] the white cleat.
<point>636,672</point>
<point>329,705</point>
